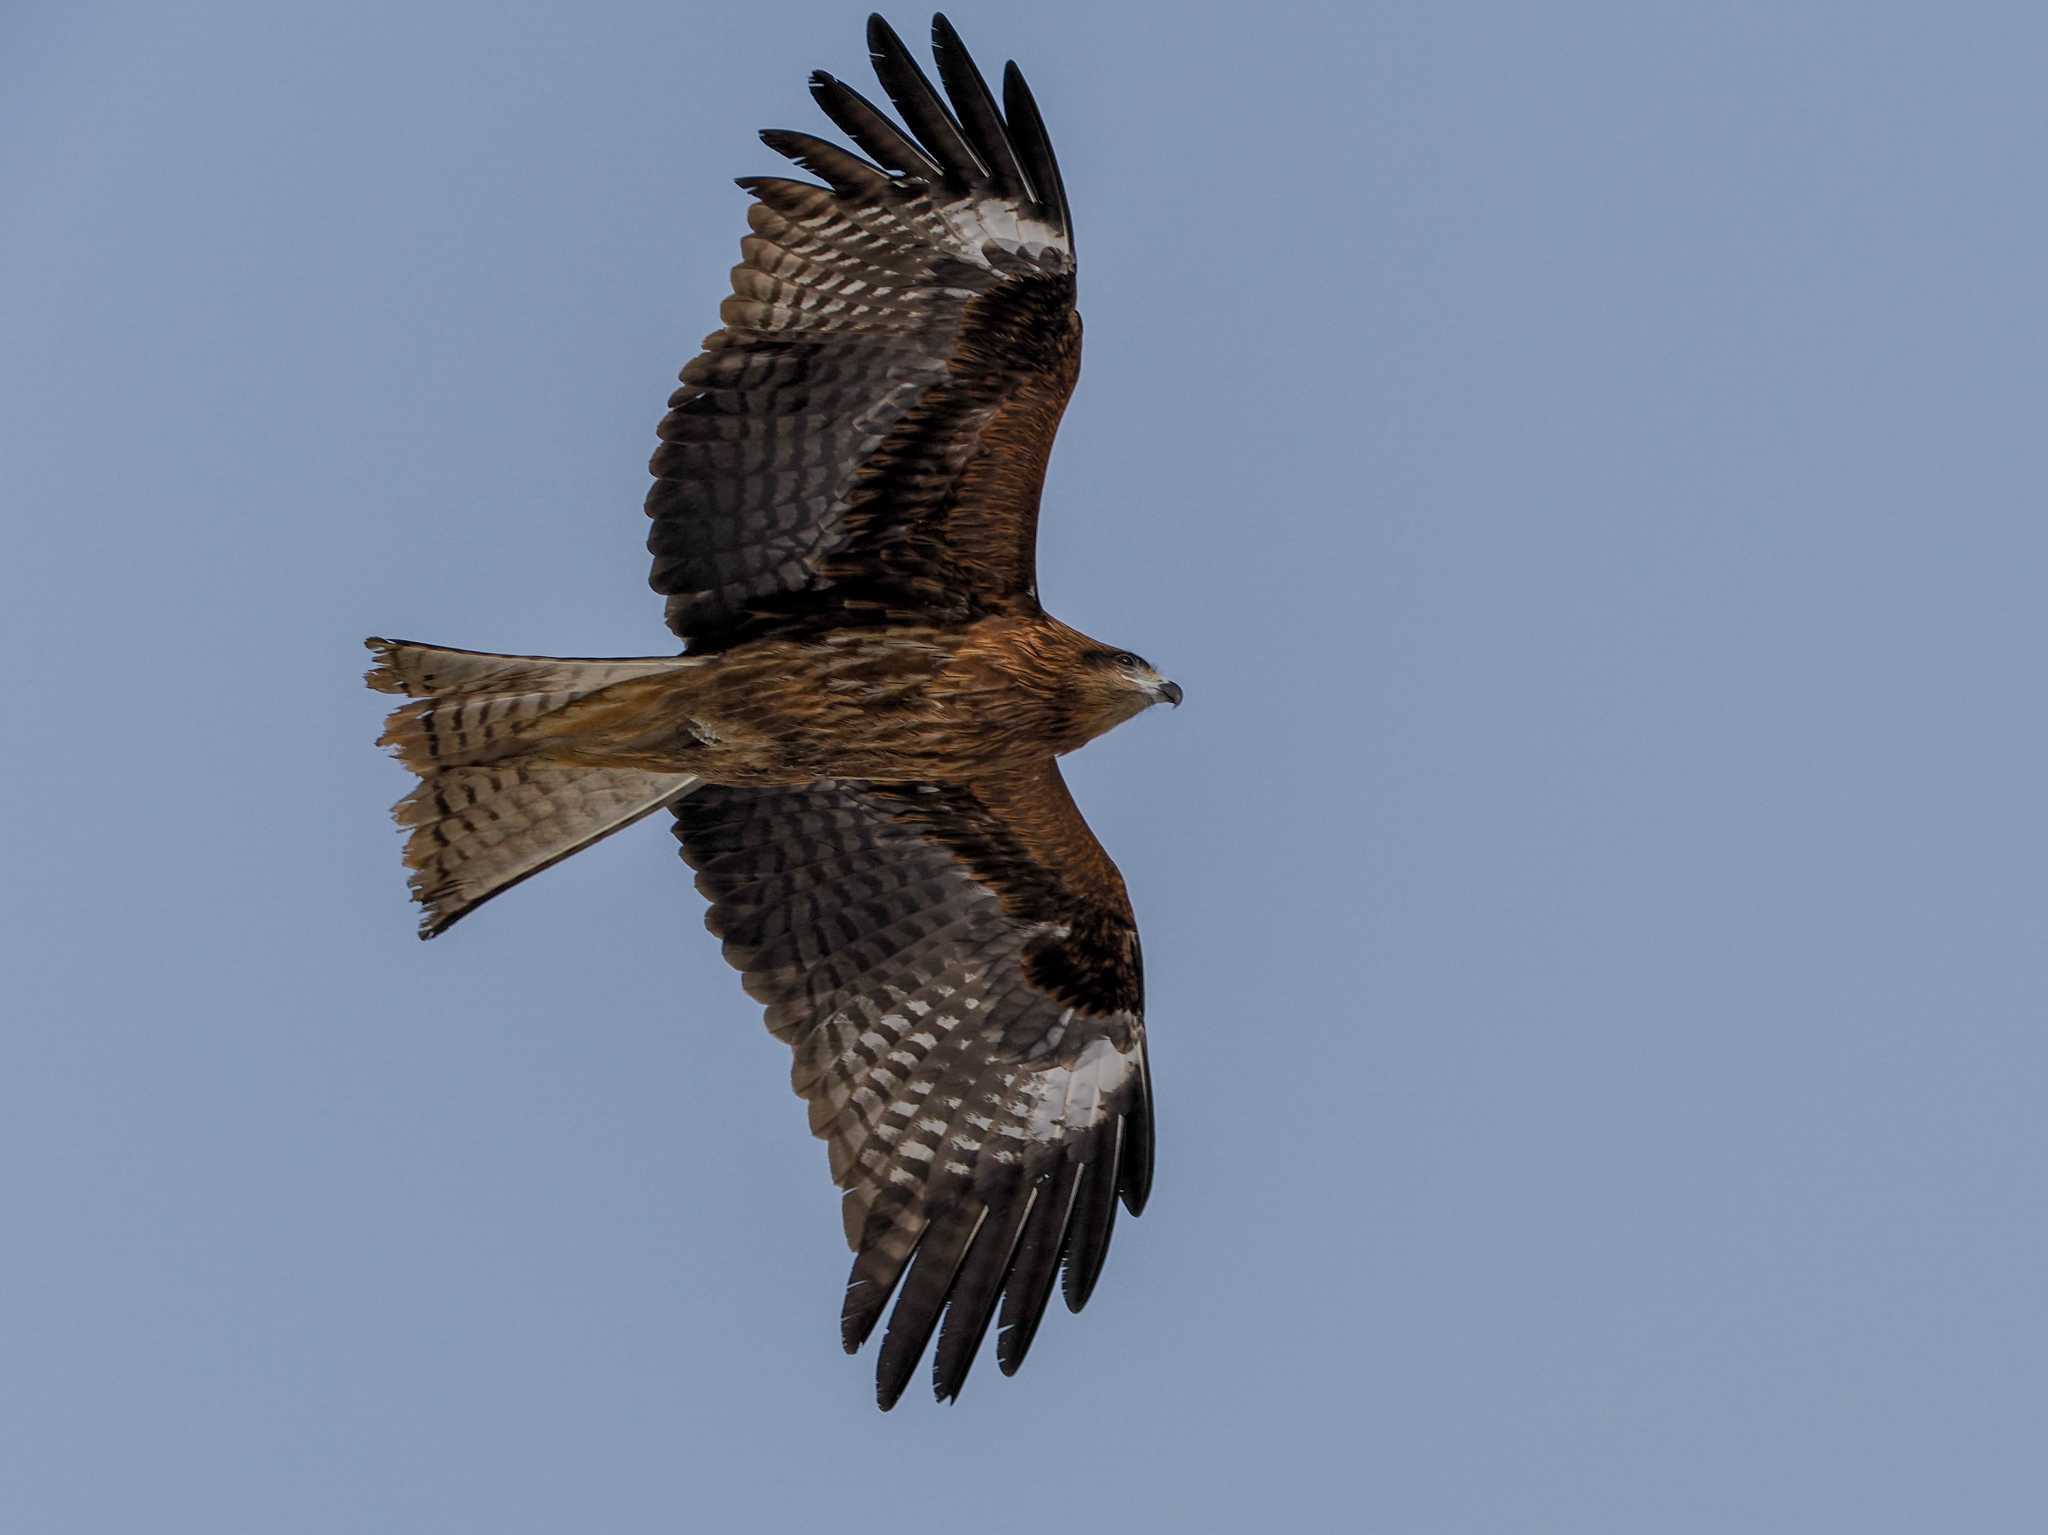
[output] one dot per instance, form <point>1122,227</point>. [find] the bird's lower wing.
<point>957,972</point>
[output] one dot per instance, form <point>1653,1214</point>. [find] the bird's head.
<point>1109,686</point>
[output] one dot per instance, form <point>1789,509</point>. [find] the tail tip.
<point>383,677</point>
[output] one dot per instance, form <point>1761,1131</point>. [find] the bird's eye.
<point>1125,658</point>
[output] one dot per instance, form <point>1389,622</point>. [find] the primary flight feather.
<point>858,741</point>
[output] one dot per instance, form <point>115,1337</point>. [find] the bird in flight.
<point>858,742</point>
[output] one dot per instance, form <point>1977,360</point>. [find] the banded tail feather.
<point>491,809</point>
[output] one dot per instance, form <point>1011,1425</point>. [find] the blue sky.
<point>1584,463</point>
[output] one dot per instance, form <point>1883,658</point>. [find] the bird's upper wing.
<point>957,971</point>
<point>868,433</point>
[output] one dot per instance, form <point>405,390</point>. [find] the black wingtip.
<point>861,1309</point>
<point>1034,148</point>
<point>925,113</point>
<point>1138,1148</point>
<point>974,106</point>
<point>870,129</point>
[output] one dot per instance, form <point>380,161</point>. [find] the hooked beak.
<point>1169,692</point>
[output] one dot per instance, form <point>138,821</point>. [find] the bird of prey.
<point>858,741</point>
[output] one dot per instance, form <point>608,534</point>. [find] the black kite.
<point>858,740</point>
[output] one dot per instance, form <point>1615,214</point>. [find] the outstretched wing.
<point>868,434</point>
<point>957,971</point>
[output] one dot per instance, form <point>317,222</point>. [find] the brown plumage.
<point>858,740</point>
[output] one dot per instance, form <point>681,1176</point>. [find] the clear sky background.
<point>1585,463</point>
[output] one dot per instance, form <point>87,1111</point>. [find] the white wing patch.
<point>978,222</point>
<point>1074,1098</point>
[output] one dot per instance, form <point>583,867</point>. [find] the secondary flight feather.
<point>858,743</point>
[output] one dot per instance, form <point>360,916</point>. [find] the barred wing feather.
<point>957,972</point>
<point>867,435</point>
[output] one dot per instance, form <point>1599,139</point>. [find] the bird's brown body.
<point>902,704</point>
<point>859,741</point>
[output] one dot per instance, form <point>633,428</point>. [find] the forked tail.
<point>490,811</point>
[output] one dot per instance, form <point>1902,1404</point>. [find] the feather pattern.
<point>867,435</point>
<point>964,1002</point>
